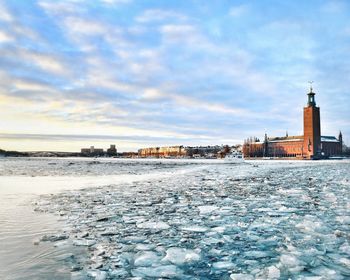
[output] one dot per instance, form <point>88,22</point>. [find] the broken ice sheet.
<point>216,222</point>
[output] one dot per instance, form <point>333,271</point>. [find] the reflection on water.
<point>19,258</point>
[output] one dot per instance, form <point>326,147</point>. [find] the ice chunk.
<point>330,197</point>
<point>289,260</point>
<point>309,225</point>
<point>345,262</point>
<point>256,254</point>
<point>327,273</point>
<point>153,225</point>
<point>180,256</point>
<point>84,242</point>
<point>241,276</point>
<point>273,272</point>
<point>195,229</point>
<point>118,273</point>
<point>61,243</point>
<point>166,271</point>
<point>144,247</point>
<point>54,237</point>
<point>207,209</point>
<point>292,263</point>
<point>343,219</point>
<point>97,274</point>
<point>345,248</point>
<point>223,265</point>
<point>146,259</point>
<point>220,229</point>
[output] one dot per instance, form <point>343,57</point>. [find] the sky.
<point>77,73</point>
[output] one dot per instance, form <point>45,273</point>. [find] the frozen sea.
<point>74,218</point>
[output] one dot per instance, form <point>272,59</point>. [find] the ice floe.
<point>217,222</point>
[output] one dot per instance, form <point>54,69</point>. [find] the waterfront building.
<point>171,151</point>
<point>188,151</point>
<point>92,151</point>
<point>310,145</point>
<point>112,151</point>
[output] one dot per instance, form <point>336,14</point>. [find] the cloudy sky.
<point>76,73</point>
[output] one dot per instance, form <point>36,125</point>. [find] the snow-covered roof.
<point>286,140</point>
<point>329,139</point>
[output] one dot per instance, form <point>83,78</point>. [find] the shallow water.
<point>23,179</point>
<point>265,219</point>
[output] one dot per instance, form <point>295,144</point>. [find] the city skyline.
<point>79,73</point>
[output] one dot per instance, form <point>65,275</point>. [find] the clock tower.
<point>312,128</point>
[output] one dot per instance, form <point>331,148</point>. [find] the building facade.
<point>112,150</point>
<point>171,151</point>
<point>92,151</point>
<point>181,151</point>
<point>310,145</point>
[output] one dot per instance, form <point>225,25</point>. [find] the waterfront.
<point>176,219</point>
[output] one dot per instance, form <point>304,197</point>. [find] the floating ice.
<point>241,276</point>
<point>146,259</point>
<point>180,256</point>
<point>292,263</point>
<point>273,272</point>
<point>118,273</point>
<point>54,237</point>
<point>207,209</point>
<point>97,274</point>
<point>144,247</point>
<point>223,265</point>
<point>84,242</point>
<point>153,225</point>
<point>327,273</point>
<point>265,223</point>
<point>167,271</point>
<point>343,219</point>
<point>310,224</point>
<point>195,229</point>
<point>345,248</point>
<point>256,254</point>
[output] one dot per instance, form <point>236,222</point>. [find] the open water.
<point>174,219</point>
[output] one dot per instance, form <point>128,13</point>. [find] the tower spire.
<point>310,82</point>
<point>311,96</point>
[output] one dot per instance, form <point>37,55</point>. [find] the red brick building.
<point>311,145</point>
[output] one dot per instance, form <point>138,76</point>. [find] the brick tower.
<point>312,128</point>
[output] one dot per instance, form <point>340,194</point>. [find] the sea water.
<point>178,219</point>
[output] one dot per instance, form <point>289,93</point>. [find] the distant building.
<point>92,151</point>
<point>112,151</point>
<point>129,155</point>
<point>172,151</point>
<point>311,145</point>
<point>181,151</point>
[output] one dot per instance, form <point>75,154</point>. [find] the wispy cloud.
<point>156,15</point>
<point>5,15</point>
<point>5,37</point>
<point>237,11</point>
